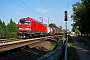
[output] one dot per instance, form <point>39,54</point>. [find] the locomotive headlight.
<point>19,28</point>
<point>27,28</point>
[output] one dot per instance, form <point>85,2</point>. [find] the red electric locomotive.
<point>29,27</point>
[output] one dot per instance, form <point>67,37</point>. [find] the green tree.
<point>12,26</point>
<point>53,25</point>
<point>3,30</point>
<point>80,16</point>
<point>0,28</point>
<point>12,30</point>
<point>60,27</point>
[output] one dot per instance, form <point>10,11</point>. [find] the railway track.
<point>15,43</point>
<point>6,41</point>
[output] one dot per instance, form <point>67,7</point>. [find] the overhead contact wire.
<point>29,7</point>
<point>48,9</point>
<point>24,8</point>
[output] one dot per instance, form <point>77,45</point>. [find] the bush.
<point>12,35</point>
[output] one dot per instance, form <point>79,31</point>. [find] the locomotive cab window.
<point>25,21</point>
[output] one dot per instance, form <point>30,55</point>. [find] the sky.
<point>52,10</point>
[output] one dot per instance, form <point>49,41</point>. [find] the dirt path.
<point>82,53</point>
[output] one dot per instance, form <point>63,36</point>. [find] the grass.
<point>71,52</point>
<point>85,44</point>
<point>52,47</point>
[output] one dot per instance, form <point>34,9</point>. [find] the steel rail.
<point>16,44</point>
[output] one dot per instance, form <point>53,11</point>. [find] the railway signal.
<point>65,16</point>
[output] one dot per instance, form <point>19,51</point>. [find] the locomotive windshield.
<point>25,21</point>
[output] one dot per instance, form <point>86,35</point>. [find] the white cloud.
<point>41,10</point>
<point>18,13</point>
